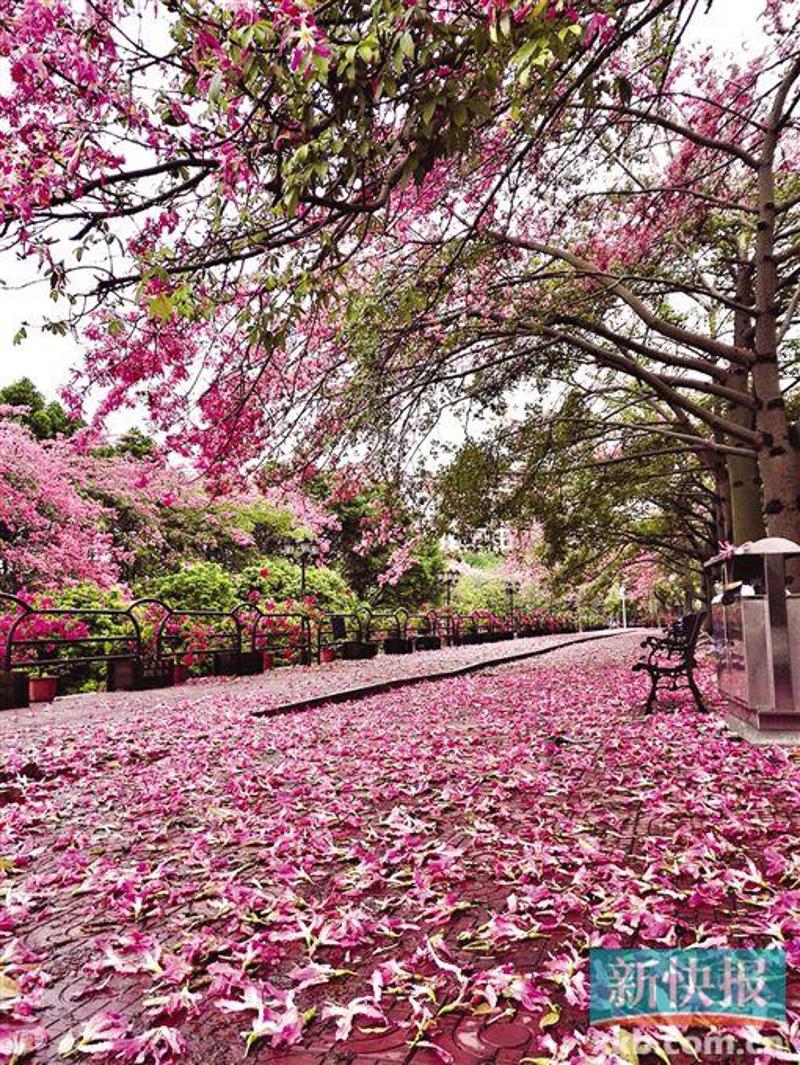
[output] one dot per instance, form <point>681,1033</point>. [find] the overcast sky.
<point>47,360</point>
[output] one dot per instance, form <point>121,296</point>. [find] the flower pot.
<point>42,689</point>
<point>122,675</point>
<point>358,649</point>
<point>14,691</point>
<point>151,677</point>
<point>397,645</point>
<point>268,659</point>
<point>428,643</point>
<point>180,673</point>
<point>327,654</point>
<point>249,663</point>
<point>226,663</point>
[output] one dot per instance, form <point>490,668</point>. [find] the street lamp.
<point>303,552</point>
<point>449,580</point>
<point>624,605</point>
<point>512,587</point>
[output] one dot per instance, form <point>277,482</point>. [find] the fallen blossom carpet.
<point>413,877</point>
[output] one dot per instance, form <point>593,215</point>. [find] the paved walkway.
<point>414,877</point>
<point>271,691</point>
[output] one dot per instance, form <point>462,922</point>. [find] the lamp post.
<point>303,552</point>
<point>512,587</point>
<point>449,580</point>
<point>624,605</point>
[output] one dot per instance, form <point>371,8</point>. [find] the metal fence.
<point>149,643</point>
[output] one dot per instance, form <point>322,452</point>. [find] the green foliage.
<point>468,488</point>
<point>484,588</point>
<point>277,580</point>
<point>190,529</point>
<point>45,420</point>
<point>482,559</point>
<point>198,586</point>
<point>476,591</point>
<point>421,582</point>
<point>362,571</point>
<point>91,676</point>
<point>91,597</point>
<point>268,525</point>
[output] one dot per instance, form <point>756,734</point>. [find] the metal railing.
<point>284,636</point>
<point>43,651</point>
<point>157,643</point>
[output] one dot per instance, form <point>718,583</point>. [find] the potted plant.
<point>42,688</point>
<point>327,654</point>
<point>268,659</point>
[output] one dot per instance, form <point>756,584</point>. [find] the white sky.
<point>47,359</point>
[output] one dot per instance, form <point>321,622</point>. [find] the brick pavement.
<point>481,790</point>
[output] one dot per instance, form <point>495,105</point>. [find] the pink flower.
<point>100,1035</point>
<point>19,1043</point>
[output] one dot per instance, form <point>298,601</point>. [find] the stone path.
<point>269,691</point>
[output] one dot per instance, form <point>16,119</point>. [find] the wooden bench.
<point>671,658</point>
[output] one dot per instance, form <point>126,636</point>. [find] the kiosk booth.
<point>756,624</point>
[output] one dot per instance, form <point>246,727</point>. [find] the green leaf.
<point>460,114</point>
<point>215,88</point>
<point>161,307</point>
<point>525,52</point>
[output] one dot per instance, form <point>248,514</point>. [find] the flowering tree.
<point>585,189</point>
<point>235,157</point>
<point>651,239</point>
<point>49,531</point>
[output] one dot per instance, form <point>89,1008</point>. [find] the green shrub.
<point>198,586</point>
<point>277,580</point>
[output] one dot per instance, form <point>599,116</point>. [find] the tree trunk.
<point>778,458</point>
<point>723,513</point>
<point>746,505</point>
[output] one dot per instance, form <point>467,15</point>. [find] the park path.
<point>270,691</point>
<point>413,877</point>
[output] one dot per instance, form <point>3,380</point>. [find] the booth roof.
<point>770,545</point>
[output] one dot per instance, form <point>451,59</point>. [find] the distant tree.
<point>44,419</point>
<point>135,444</point>
<point>276,580</point>
<point>384,550</point>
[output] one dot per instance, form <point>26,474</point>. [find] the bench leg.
<point>651,698</point>
<point>698,698</point>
